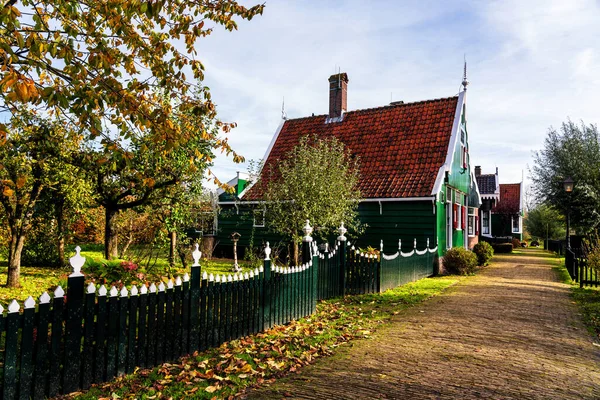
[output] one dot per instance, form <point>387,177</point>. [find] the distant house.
<point>416,180</point>
<point>501,211</point>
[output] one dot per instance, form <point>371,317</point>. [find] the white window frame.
<point>489,221</point>
<point>518,220</point>
<point>471,222</point>
<point>254,222</point>
<point>449,214</point>
<point>459,215</point>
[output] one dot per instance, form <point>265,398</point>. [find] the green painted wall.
<point>398,220</point>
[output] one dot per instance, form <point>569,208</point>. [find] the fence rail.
<point>90,335</point>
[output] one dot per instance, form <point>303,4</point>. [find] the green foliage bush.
<point>502,248</point>
<point>484,252</point>
<point>460,261</point>
<point>516,243</point>
<point>40,248</point>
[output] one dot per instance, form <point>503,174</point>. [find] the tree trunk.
<point>296,253</point>
<point>172,248</point>
<point>14,260</point>
<point>111,239</point>
<point>60,228</point>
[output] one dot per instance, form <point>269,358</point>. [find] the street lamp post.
<point>568,186</point>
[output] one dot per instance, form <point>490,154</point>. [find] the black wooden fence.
<point>93,334</point>
<point>579,270</point>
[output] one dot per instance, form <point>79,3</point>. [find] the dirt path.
<point>511,332</point>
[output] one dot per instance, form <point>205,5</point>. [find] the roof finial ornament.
<point>465,82</point>
<point>283,113</point>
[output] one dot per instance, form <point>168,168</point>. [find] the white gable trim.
<point>447,166</point>
<point>265,157</point>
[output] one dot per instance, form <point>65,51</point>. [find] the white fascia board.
<point>232,182</point>
<point>474,182</point>
<point>447,166</point>
<point>240,202</point>
<point>425,198</point>
<point>265,157</point>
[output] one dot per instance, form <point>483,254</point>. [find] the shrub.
<point>502,248</point>
<point>484,252</point>
<point>516,243</point>
<point>459,260</point>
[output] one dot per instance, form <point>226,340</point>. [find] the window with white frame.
<point>485,222</point>
<point>472,222</point>
<point>459,216</point>
<point>259,218</point>
<point>448,218</point>
<point>515,224</point>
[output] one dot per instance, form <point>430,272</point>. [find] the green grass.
<point>261,358</point>
<point>37,279</point>
<point>586,298</point>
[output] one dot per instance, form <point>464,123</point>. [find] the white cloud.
<point>531,64</point>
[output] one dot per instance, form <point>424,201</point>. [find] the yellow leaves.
<point>8,192</point>
<point>211,389</point>
<point>17,87</point>
<point>21,180</point>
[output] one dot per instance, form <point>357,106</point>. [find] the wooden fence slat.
<point>185,317</point>
<point>160,324</point>
<point>112,334</point>
<point>54,372</point>
<point>73,333</point>
<point>151,356</point>
<point>132,327</point>
<point>142,342</point>
<point>101,333</point>
<point>26,375</point>
<point>203,338</point>
<point>41,347</point>
<point>122,334</point>
<point>13,323</point>
<point>170,328</point>
<point>87,374</point>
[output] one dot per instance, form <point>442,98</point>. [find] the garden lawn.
<point>37,279</point>
<point>587,298</point>
<point>229,369</point>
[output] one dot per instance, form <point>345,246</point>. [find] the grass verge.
<point>586,298</point>
<point>228,370</point>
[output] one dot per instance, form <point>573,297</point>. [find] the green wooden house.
<point>416,178</point>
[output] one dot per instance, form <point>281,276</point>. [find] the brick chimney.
<point>338,95</point>
<point>477,170</point>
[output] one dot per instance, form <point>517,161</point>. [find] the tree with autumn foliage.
<point>33,157</point>
<point>104,64</point>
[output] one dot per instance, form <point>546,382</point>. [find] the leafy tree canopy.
<point>317,181</point>
<point>543,222</point>
<point>102,65</point>
<point>571,151</point>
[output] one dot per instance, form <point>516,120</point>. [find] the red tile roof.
<point>401,147</point>
<point>510,198</point>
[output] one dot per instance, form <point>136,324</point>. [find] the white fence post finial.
<point>307,231</point>
<point>427,242</point>
<point>342,231</point>
<point>267,252</point>
<point>381,246</point>
<point>77,262</point>
<point>196,254</point>
<point>415,243</point>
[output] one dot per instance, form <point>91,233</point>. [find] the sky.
<point>531,66</point>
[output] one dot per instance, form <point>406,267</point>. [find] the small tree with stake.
<point>317,181</point>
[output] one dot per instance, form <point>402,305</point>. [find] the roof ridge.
<point>381,107</point>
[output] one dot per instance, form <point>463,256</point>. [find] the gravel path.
<point>511,332</point>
